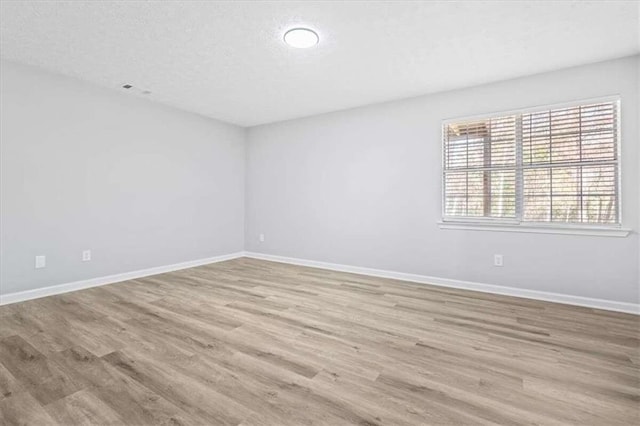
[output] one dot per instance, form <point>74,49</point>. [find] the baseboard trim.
<point>37,293</point>
<point>609,305</point>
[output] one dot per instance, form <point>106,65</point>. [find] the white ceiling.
<point>227,60</point>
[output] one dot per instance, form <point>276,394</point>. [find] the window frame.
<point>516,224</point>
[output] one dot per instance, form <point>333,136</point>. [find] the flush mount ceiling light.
<point>301,38</point>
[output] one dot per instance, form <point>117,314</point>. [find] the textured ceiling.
<point>227,60</point>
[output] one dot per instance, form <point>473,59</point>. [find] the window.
<point>547,166</point>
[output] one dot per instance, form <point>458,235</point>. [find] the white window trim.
<point>514,225</point>
<point>537,228</point>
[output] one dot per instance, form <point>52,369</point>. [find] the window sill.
<point>537,229</point>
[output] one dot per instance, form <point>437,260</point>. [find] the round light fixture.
<point>301,38</point>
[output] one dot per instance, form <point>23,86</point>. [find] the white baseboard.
<point>609,305</point>
<point>110,279</point>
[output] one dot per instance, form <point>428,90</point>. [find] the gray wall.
<point>362,187</point>
<point>144,185</point>
<point>139,184</point>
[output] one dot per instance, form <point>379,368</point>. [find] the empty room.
<point>320,213</point>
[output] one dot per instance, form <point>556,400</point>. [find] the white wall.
<point>139,184</point>
<point>362,188</point>
<point>144,185</point>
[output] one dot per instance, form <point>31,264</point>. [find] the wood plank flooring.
<point>249,342</point>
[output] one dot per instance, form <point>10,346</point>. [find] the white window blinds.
<point>556,165</point>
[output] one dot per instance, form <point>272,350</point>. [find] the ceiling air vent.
<point>136,90</point>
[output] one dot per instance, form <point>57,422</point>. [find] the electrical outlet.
<point>497,260</point>
<point>41,262</point>
<point>261,238</point>
<point>86,255</point>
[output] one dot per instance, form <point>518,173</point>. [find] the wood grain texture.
<point>250,342</point>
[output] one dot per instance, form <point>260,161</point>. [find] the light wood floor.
<point>252,342</point>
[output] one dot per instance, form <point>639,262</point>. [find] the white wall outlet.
<point>86,255</point>
<point>497,260</point>
<point>41,262</point>
<point>261,238</point>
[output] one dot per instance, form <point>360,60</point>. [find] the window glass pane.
<point>599,180</point>
<point>503,193</point>
<point>537,208</point>
<point>565,135</point>
<point>537,195</point>
<point>475,207</point>
<point>599,209</point>
<point>475,153</point>
<point>481,144</point>
<point>599,186</point>
<point>565,208</point>
<point>456,183</point>
<point>456,205</point>
<point>502,150</point>
<point>536,132</point>
<point>565,181</point>
<point>599,146</point>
